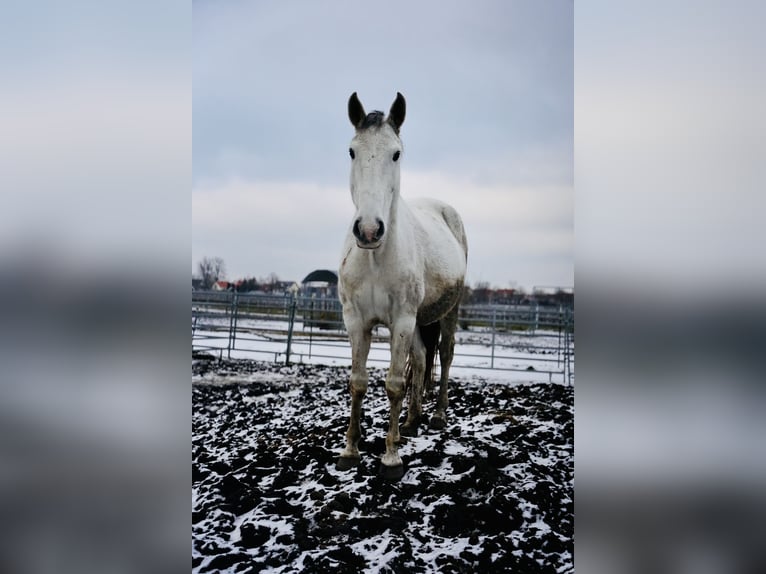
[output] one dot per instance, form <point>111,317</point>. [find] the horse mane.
<point>373,119</point>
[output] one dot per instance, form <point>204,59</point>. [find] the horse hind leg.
<point>448,326</point>
<point>419,374</point>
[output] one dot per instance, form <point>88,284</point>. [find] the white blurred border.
<point>95,173</point>
<point>669,235</point>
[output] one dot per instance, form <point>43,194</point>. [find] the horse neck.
<point>398,228</point>
<point>397,205</point>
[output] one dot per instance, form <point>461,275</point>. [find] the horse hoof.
<point>391,472</point>
<point>347,462</point>
<point>437,423</point>
<point>408,430</point>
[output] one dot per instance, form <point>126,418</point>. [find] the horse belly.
<point>438,306</point>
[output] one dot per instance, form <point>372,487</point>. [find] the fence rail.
<point>535,339</point>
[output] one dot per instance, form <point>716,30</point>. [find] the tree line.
<point>210,270</point>
<point>213,269</point>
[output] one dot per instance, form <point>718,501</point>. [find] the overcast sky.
<point>489,128</point>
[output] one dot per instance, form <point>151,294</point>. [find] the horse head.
<point>375,151</point>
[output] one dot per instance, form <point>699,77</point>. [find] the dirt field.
<point>493,492</point>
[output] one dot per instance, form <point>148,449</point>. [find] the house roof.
<point>321,275</point>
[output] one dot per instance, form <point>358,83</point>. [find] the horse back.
<point>445,253</point>
<point>435,214</point>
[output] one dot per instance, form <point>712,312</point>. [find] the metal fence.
<point>535,339</point>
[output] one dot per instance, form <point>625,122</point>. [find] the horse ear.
<point>355,111</point>
<point>396,114</point>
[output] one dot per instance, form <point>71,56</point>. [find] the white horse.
<point>403,266</point>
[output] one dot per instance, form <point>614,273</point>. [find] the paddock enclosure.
<point>492,492</point>
<point>533,341</point>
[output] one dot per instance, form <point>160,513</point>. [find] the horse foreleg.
<point>360,348</point>
<point>401,342</point>
<point>448,325</point>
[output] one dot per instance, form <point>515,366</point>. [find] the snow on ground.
<point>491,492</point>
<point>511,355</point>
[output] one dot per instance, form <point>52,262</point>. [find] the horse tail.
<point>429,334</point>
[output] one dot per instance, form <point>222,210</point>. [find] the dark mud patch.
<point>491,492</point>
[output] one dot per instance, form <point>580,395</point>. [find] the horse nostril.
<point>367,234</point>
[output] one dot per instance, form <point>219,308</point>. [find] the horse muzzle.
<point>369,236</point>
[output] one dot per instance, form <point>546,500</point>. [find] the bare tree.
<point>270,282</point>
<point>211,269</point>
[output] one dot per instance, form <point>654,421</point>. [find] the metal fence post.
<point>494,330</point>
<point>561,323</point>
<point>311,324</point>
<point>569,340</point>
<point>232,325</point>
<point>293,304</point>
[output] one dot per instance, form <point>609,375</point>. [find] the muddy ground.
<point>493,492</point>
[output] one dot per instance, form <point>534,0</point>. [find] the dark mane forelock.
<point>373,119</point>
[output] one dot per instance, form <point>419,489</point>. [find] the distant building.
<point>282,287</point>
<point>321,282</point>
<point>222,286</point>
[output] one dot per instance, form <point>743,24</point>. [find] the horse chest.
<point>371,300</point>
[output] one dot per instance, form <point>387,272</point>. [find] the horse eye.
<point>396,155</point>
<point>351,153</point>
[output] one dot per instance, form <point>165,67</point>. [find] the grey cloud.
<point>489,90</point>
<point>271,82</point>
